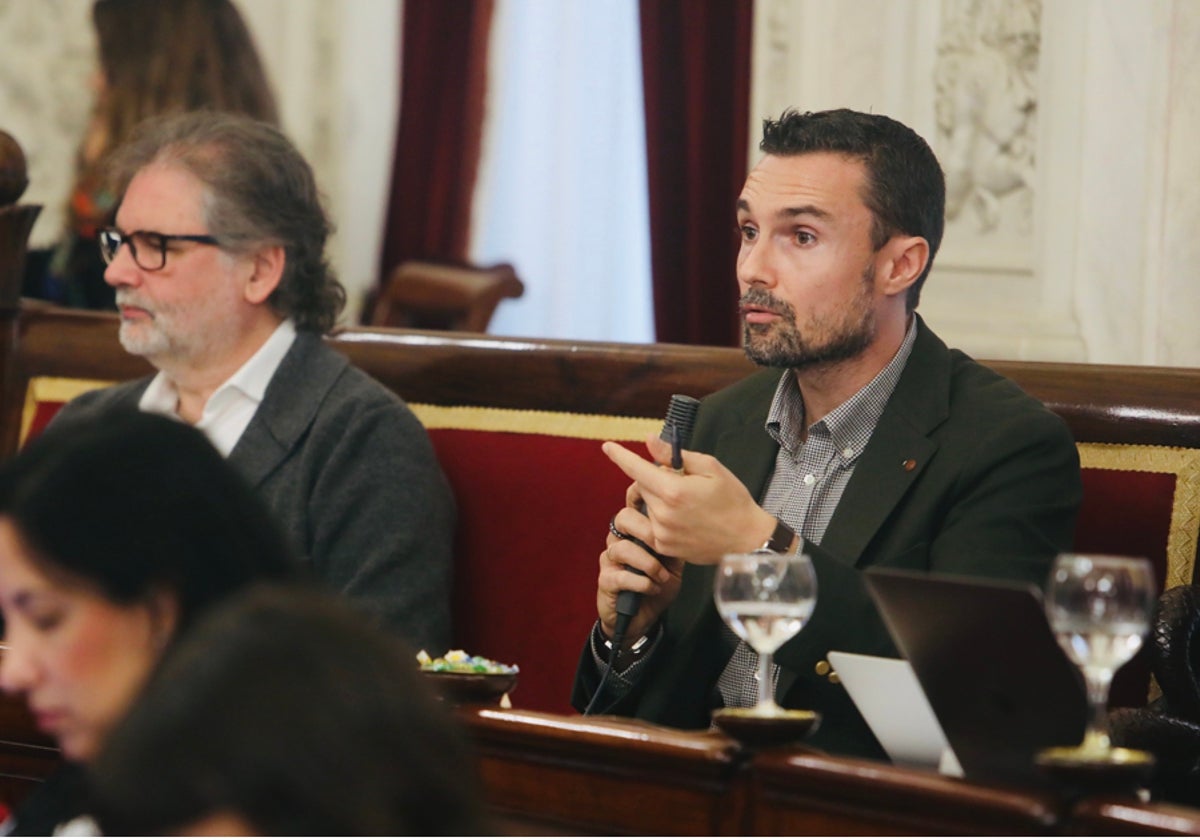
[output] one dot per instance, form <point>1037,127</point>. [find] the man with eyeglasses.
<point>217,258</point>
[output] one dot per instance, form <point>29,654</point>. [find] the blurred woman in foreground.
<point>114,538</point>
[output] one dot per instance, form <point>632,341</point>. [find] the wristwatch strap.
<point>781,538</point>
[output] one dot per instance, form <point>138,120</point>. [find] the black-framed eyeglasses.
<point>147,247</point>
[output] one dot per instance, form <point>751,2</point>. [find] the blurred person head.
<point>115,536</point>
<point>286,713</point>
<point>242,188</point>
<point>170,56</point>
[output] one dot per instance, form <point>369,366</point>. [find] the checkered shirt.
<point>805,488</point>
<point>807,484</point>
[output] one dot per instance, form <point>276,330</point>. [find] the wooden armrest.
<point>548,737</point>
<point>433,296</point>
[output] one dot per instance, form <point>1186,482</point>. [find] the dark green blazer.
<point>965,474</point>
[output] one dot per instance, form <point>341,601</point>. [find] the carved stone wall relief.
<point>985,79</point>
<point>986,104</point>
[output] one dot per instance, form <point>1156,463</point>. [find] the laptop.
<point>987,661</point>
<point>892,703</point>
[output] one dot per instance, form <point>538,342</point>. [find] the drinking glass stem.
<point>1099,680</point>
<point>766,693</point>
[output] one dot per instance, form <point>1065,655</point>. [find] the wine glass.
<point>765,598</point>
<point>1099,608</point>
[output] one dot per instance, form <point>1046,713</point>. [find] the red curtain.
<point>442,85</point>
<point>696,73</point>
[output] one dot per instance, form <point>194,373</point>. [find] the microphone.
<point>677,430</point>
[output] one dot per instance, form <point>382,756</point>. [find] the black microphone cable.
<point>677,430</point>
<point>614,656</point>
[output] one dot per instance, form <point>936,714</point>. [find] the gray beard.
<point>152,344</point>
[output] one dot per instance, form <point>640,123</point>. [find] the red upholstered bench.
<point>1141,501</point>
<point>517,425</point>
<point>44,396</point>
<point>534,495</point>
<point>535,492</point>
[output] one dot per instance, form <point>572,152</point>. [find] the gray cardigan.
<point>351,476</point>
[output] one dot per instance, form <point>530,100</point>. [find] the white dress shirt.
<point>231,407</point>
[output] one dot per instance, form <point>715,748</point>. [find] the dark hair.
<point>291,711</point>
<point>260,191</point>
<point>129,504</point>
<point>905,187</point>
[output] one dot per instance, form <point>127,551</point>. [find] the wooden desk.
<point>1105,816</point>
<point>811,793</point>
<point>546,773</point>
<point>565,774</point>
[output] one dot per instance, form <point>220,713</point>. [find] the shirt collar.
<point>250,380</point>
<point>254,376</point>
<point>850,424</point>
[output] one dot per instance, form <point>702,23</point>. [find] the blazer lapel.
<point>749,453</point>
<point>896,455</point>
<point>304,376</point>
<point>891,463</point>
<point>898,451</point>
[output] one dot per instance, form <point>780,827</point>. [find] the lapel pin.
<point>910,465</point>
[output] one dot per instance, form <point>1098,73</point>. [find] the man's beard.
<point>781,343</point>
<point>145,338</point>
<point>172,335</point>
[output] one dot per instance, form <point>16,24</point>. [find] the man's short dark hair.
<point>905,188</point>
<point>260,191</point>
